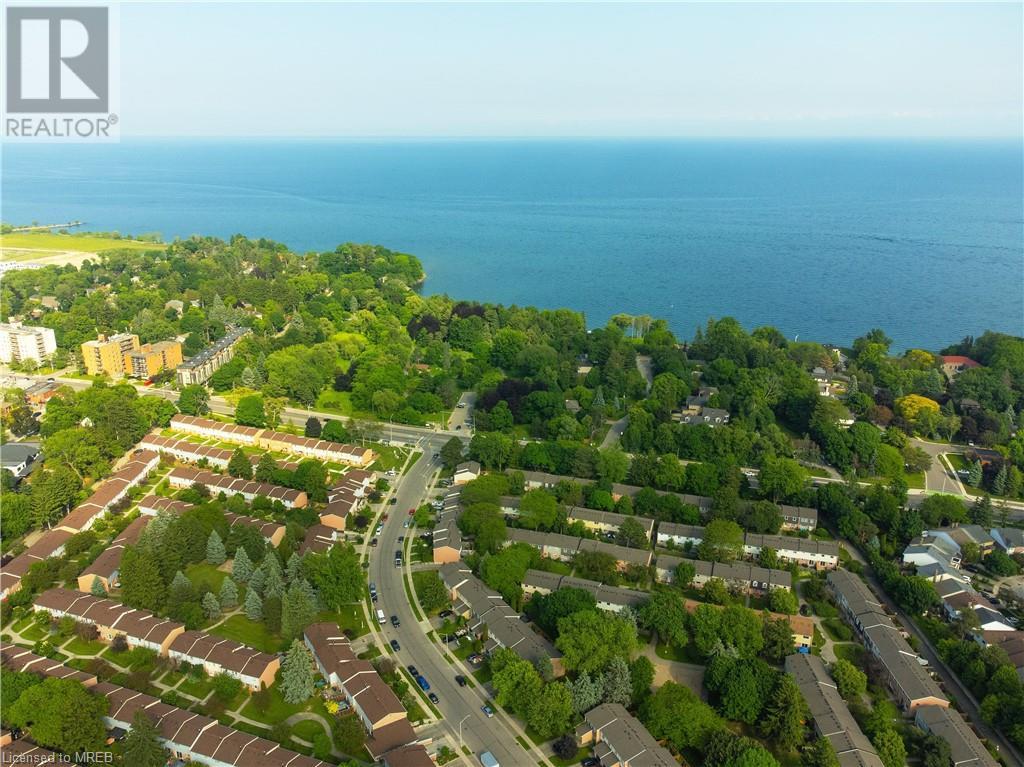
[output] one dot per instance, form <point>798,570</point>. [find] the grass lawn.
<point>554,566</point>
<point>388,457</point>
<point>957,461</point>
<point>87,243</point>
<point>581,754</point>
<point>852,652</point>
<point>78,646</point>
<point>687,654</point>
<point>483,674</point>
<point>837,630</point>
<point>914,481</point>
<point>307,729</point>
<point>203,574</point>
<point>171,678</point>
<point>278,710</point>
<point>349,617</point>
<point>248,632</point>
<point>197,688</point>
<point>34,633</point>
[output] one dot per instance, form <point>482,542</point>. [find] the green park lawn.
<point>248,632</point>
<point>86,243</point>
<point>307,729</point>
<point>350,618</point>
<point>277,710</point>
<point>78,646</point>
<point>204,575</point>
<point>197,688</point>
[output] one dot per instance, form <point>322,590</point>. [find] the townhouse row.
<point>832,718</point>
<point>182,477</point>
<point>268,439</point>
<point>793,517</point>
<point>489,615</point>
<point>374,702</point>
<point>167,638</point>
<point>192,452</point>
<point>107,566</point>
<point>136,470</point>
<point>189,736</point>
<point>806,552</point>
<point>620,740</point>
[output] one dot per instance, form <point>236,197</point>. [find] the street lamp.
<point>467,716</point>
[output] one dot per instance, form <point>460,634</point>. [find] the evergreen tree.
<point>265,469</point>
<point>294,569</point>
<point>241,568</point>
<point>258,580</point>
<point>215,553</point>
<point>313,427</point>
<point>97,589</point>
<point>617,687</point>
<point>820,754</point>
<point>142,746</point>
<point>981,511</point>
<point>783,717</point>
<point>586,692</point>
<point>228,594</point>
<point>999,483</point>
<point>253,606</point>
<point>273,580</point>
<point>211,606</point>
<point>974,474</point>
<point>248,378</point>
<point>297,682</point>
<point>240,465</point>
<point>297,611</point>
<point>181,589</point>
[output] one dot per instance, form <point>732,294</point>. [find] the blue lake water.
<point>824,240</point>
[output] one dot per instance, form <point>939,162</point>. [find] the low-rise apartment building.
<point>218,655</point>
<point>111,491</point>
<point>965,748</point>
<point>182,477</point>
<point>107,566</point>
<point>620,740</point>
<point>199,369</point>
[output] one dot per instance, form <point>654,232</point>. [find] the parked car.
<point>433,698</point>
<point>423,683</point>
<point>373,542</point>
<point>460,680</point>
<point>412,670</point>
<point>487,710</point>
<point>411,512</point>
<point>393,502</point>
<point>444,614</point>
<point>395,646</point>
<point>395,622</point>
<point>461,405</point>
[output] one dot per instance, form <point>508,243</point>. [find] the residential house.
<point>620,740</point>
<point>832,718</point>
<point>113,490</point>
<point>611,598</point>
<point>623,555</point>
<point>182,477</point>
<point>38,394</point>
<point>50,544</point>
<point>806,552</point>
<point>606,522</point>
<point>1009,539</point>
<point>218,655</point>
<point>966,749</point>
<point>447,538</point>
<point>319,539</point>
<point>18,457</point>
<point>106,567</point>
<point>798,518</point>
<point>679,535</point>
<point>140,628</point>
<point>954,364</point>
<point>490,615</point>
<point>465,472</point>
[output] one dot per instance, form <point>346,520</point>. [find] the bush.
<point>564,747</point>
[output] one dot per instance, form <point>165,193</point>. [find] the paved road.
<point>939,479</point>
<point>457,704</point>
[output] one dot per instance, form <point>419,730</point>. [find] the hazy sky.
<point>488,69</point>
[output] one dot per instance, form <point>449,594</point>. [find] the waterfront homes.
<point>611,598</point>
<point>447,538</point>
<point>486,609</point>
<point>832,718</point>
<point>268,439</point>
<point>106,567</point>
<point>466,472</point>
<point>218,655</point>
<point>966,749</point>
<point>182,477</point>
<point>140,628</point>
<point>373,701</point>
<point>620,740</point>
<point>906,678</point>
<point>50,544</point>
<point>189,736</point>
<point>111,491</point>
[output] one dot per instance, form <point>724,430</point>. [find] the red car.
<point>411,512</point>
<point>384,518</point>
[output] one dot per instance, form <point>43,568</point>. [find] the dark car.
<point>395,646</point>
<point>412,670</point>
<point>433,698</point>
<point>373,542</point>
<point>395,622</point>
<point>393,501</point>
<point>591,761</point>
<point>460,680</point>
<point>444,614</point>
